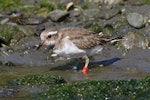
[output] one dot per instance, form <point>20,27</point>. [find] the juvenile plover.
<point>75,42</point>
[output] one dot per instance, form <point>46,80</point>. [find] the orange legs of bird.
<point>85,68</point>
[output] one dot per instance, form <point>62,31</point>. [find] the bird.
<point>75,42</point>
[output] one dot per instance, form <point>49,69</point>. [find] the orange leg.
<point>85,68</point>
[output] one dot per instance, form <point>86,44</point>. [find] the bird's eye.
<point>49,36</point>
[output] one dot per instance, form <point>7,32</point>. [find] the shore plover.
<point>75,42</point>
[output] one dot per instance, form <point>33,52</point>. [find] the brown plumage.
<point>75,42</point>
<point>83,38</point>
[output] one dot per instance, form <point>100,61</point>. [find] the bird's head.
<point>48,37</point>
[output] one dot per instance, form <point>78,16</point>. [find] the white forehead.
<point>52,32</point>
<point>44,34</point>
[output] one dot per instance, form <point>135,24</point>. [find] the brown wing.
<point>87,41</point>
<point>83,38</point>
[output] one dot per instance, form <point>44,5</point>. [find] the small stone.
<point>70,6</point>
<point>53,55</point>
<point>136,20</point>
<point>58,15</point>
<point>101,65</point>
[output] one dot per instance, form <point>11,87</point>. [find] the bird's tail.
<point>111,39</point>
<point>115,39</point>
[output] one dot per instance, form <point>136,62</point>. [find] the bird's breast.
<point>69,49</point>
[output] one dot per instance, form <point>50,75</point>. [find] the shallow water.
<point>97,73</point>
<point>135,65</point>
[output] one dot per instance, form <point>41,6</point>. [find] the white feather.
<point>69,49</point>
<point>52,32</point>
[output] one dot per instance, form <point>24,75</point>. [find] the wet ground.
<point>20,59</point>
<point>111,64</point>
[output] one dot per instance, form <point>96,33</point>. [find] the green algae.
<point>120,22</point>
<point>58,89</point>
<point>7,33</point>
<point>40,8</point>
<point>147,2</point>
<point>6,5</point>
<point>86,5</point>
<point>95,27</point>
<point>45,79</point>
<point>95,90</point>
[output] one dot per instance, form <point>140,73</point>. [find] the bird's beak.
<point>40,45</point>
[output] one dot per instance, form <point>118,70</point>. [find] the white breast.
<point>69,49</point>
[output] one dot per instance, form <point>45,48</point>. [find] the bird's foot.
<point>85,70</point>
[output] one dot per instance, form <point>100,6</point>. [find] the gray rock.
<point>25,53</point>
<point>39,29</point>
<point>136,20</point>
<point>135,40</point>
<point>90,13</point>
<point>7,92</point>
<point>58,15</point>
<point>110,2</point>
<point>110,12</point>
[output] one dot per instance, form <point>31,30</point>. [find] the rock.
<point>110,12</point>
<point>29,2</point>
<point>136,20</point>
<point>134,2</point>
<point>13,11</point>
<point>70,6</point>
<point>65,2</point>
<point>26,19</point>
<point>39,29</point>
<point>25,53</point>
<point>58,15</point>
<point>144,9</point>
<point>111,2</point>
<point>91,13</point>
<point>7,92</point>
<point>75,13</point>
<point>2,41</point>
<point>135,40</point>
<point>3,21</point>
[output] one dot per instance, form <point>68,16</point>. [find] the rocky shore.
<point>21,23</point>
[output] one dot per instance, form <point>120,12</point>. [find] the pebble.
<point>136,20</point>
